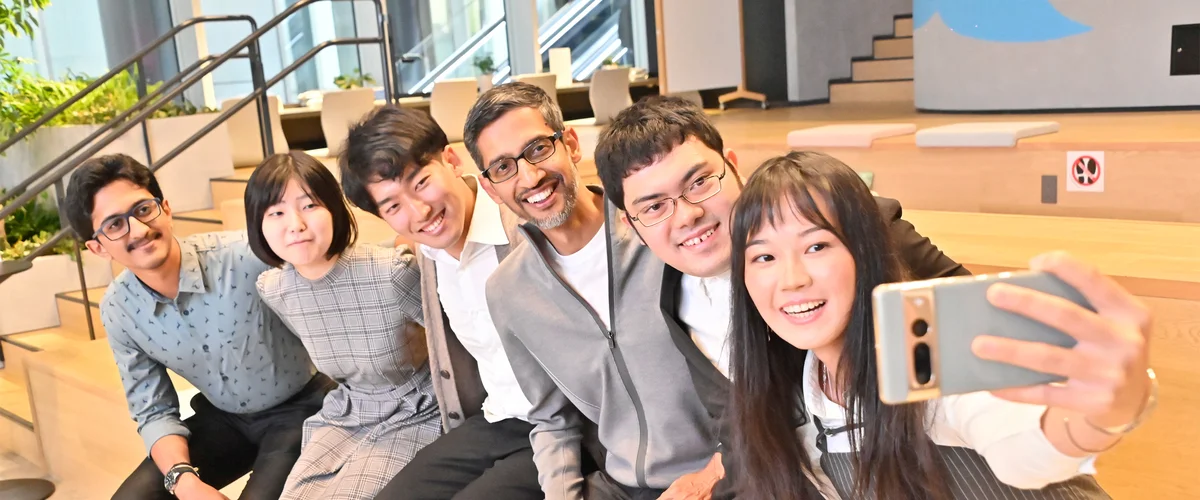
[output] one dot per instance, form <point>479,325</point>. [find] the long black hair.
<point>893,458</point>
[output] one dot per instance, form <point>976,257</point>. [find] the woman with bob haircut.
<point>357,309</point>
<point>809,248</point>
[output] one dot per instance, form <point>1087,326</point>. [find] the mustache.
<point>545,181</point>
<point>150,236</point>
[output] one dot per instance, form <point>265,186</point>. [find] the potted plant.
<point>609,63</point>
<point>487,68</point>
<point>29,302</point>
<point>354,79</point>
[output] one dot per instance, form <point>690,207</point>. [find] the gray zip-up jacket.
<point>632,383</point>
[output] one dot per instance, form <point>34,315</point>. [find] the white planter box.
<point>185,180</point>
<point>29,302</point>
<point>17,164</point>
<point>50,142</point>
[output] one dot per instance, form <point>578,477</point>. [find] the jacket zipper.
<point>622,370</point>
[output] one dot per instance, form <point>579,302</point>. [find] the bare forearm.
<point>168,451</point>
<point>1072,436</point>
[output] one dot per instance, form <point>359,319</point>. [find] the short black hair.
<point>646,132</point>
<point>95,174</point>
<point>385,145</point>
<point>500,100</point>
<point>266,187</point>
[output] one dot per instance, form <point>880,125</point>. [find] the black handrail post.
<point>87,305</point>
<point>141,92</point>
<point>258,81</point>
<point>390,92</point>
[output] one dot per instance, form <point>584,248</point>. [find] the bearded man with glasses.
<point>189,305</point>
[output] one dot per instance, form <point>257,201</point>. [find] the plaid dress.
<point>360,325</point>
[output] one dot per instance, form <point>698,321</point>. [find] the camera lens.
<point>922,366</point>
<point>920,328</point>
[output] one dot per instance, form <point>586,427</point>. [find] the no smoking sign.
<point>1085,171</point>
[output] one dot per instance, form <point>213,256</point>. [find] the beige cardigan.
<point>456,380</point>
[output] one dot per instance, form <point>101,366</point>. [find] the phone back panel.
<point>962,313</point>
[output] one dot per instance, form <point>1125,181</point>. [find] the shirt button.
<point>453,415</point>
<point>185,312</point>
<point>445,374</point>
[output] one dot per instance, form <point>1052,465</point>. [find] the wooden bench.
<point>1159,262</point>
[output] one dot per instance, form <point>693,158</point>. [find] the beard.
<point>569,187</point>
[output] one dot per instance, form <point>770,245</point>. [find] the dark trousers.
<point>225,446</point>
<point>476,460</point>
<point>601,486</point>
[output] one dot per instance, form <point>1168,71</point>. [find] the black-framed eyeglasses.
<point>537,151</point>
<point>117,226</point>
<point>699,190</point>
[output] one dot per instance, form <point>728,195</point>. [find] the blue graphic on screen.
<point>1000,20</point>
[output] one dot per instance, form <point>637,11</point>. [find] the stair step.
<point>232,187</point>
<point>198,221</point>
<point>18,346</point>
<point>887,48</point>
<point>883,69</point>
<point>903,26</point>
<point>71,316</point>
<point>883,91</point>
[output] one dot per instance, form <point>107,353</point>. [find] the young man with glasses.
<point>398,165</point>
<point>665,164</point>
<point>591,352</point>
<point>189,305</point>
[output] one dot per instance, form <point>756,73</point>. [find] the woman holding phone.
<point>809,246</point>
<point>357,309</point>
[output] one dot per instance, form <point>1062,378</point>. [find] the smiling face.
<point>298,229</point>
<point>545,192</point>
<point>146,245</point>
<point>431,205</point>
<point>695,238</point>
<point>802,280</point>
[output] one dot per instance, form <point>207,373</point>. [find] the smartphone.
<point>924,330</point>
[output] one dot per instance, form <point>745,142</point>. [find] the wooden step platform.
<point>71,313</point>
<point>871,91</point>
<point>892,47</point>
<point>883,69</point>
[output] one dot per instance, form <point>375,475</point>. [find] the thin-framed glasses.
<point>699,190</point>
<point>538,151</point>
<point>117,226</point>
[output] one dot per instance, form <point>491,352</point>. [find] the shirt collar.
<point>191,276</point>
<point>486,226</point>
<point>815,400</point>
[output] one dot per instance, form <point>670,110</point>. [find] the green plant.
<point>354,79</point>
<point>16,17</point>
<point>485,64</point>
<point>31,226</point>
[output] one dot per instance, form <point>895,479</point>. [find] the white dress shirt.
<point>460,285</point>
<point>1008,435</point>
<point>704,308</point>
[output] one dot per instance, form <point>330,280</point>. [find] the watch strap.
<point>171,478</point>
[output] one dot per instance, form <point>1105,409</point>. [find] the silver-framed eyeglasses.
<point>699,190</point>
<point>537,151</point>
<point>117,226</point>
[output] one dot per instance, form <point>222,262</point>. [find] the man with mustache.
<point>189,305</point>
<point>589,352</point>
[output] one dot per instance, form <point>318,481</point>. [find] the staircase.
<point>886,75</point>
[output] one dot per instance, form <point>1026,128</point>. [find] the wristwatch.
<point>171,478</point>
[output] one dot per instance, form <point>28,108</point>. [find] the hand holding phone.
<point>1061,335</point>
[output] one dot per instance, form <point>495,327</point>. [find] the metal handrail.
<point>169,35</point>
<point>161,162</point>
<point>141,103</point>
<point>58,170</point>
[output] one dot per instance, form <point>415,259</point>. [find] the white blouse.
<point>1008,435</point>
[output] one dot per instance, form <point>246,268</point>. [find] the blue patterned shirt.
<point>216,333</point>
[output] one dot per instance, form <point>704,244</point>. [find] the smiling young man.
<point>189,305</point>
<point>398,165</point>
<point>553,304</point>
<point>664,163</point>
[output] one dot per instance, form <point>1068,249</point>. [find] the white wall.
<point>1123,61</point>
